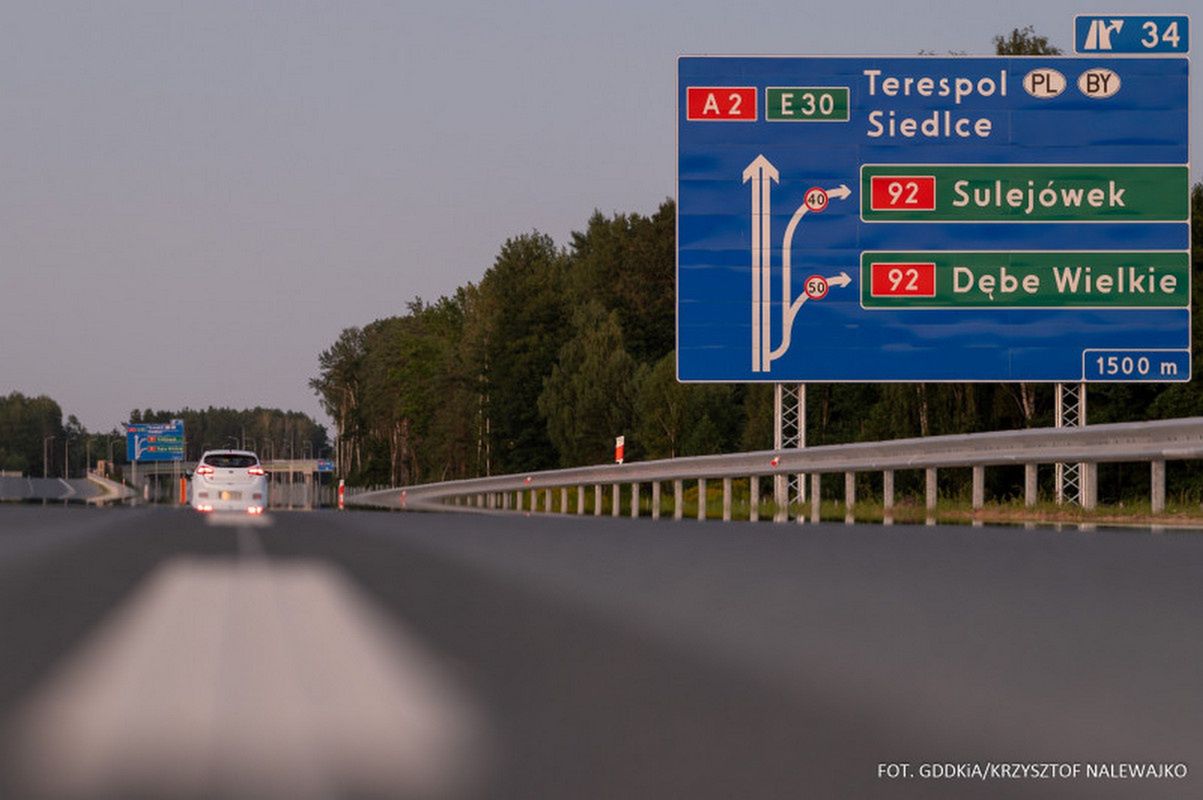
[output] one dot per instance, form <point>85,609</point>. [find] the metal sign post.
<point>789,431</point>
<point>1071,479</point>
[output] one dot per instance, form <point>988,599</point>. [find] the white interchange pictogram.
<point>762,174</point>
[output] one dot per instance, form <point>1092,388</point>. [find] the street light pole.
<point>46,440</point>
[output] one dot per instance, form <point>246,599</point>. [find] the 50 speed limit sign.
<point>816,287</point>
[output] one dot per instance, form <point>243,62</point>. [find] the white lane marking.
<point>251,679</point>
<point>249,544</point>
<point>237,519</point>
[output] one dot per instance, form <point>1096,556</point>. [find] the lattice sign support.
<point>789,432</point>
<point>1070,413</point>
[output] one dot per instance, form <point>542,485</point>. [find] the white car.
<point>229,480</point>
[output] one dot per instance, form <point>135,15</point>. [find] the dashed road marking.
<point>249,678</point>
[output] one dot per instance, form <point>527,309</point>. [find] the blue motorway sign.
<point>155,441</point>
<point>1118,33</point>
<point>325,465</point>
<point>933,219</point>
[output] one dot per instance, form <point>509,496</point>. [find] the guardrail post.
<point>701,499</point>
<point>726,499</point>
<point>532,500</point>
<point>780,498</point>
<point>1158,487</point>
<point>655,499</point>
<point>754,498</point>
<point>979,487</point>
<point>634,500</point>
<point>932,490</point>
<point>887,490</point>
<point>580,498</point>
<point>1029,485</point>
<point>615,503</point>
<point>816,496</point>
<point>849,498</point>
<point>1090,486</point>
<point>678,499</point>
<point>597,509</point>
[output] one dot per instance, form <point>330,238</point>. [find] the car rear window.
<point>223,461</point>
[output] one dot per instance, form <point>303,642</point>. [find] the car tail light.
<point>205,469</point>
<point>257,496</point>
<point>256,470</point>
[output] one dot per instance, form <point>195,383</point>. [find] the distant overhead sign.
<point>155,441</point>
<point>933,219</point>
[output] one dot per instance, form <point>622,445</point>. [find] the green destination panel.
<point>1034,279</point>
<point>1006,193</point>
<point>806,104</point>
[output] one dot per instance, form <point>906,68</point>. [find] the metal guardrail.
<point>113,492</point>
<point>1153,442</point>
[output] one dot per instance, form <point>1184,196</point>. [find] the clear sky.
<point>196,197</point>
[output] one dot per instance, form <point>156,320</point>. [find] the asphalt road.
<point>47,488</point>
<point>149,654</point>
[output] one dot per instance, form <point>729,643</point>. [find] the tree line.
<point>271,432</point>
<point>557,350</point>
<point>36,440</point>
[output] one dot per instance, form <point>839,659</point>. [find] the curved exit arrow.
<point>841,192</point>
<point>841,280</point>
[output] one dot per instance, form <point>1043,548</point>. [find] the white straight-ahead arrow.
<point>762,173</point>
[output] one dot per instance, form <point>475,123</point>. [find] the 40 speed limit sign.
<point>1013,218</point>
